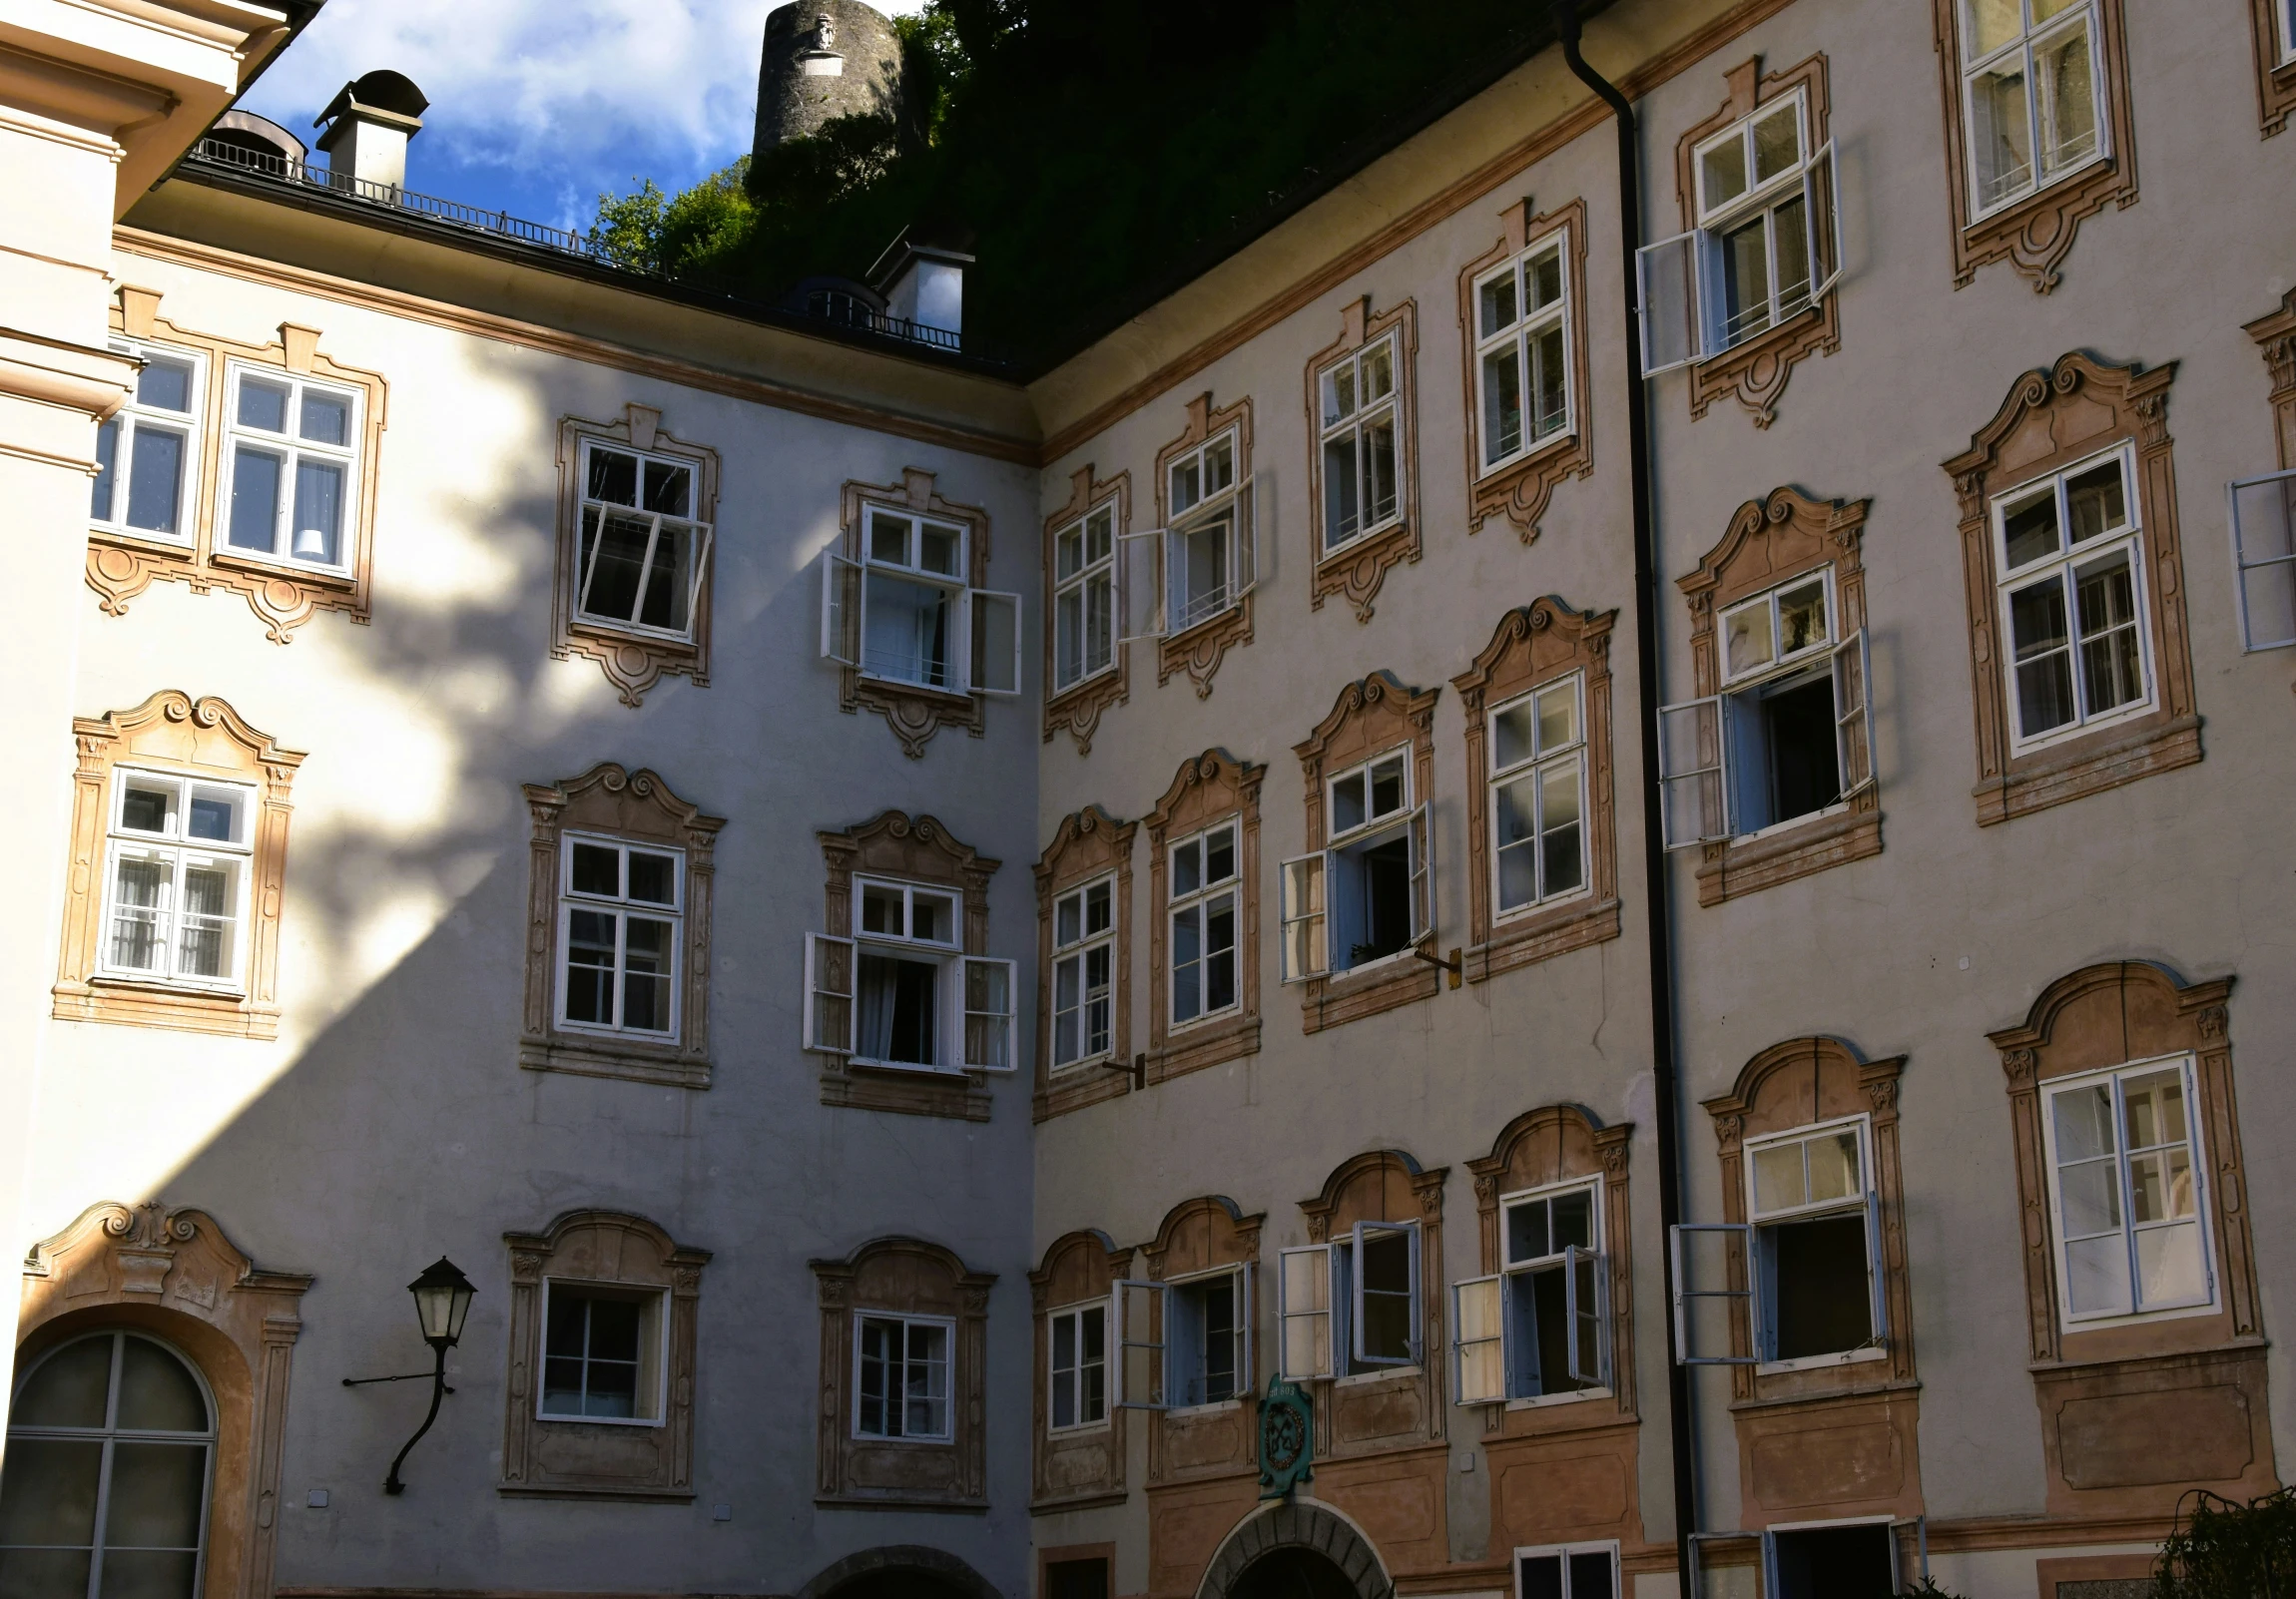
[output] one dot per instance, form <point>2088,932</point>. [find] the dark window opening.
<point>1836,1563</point>
<point>1076,1579</point>
<point>1784,747</point>
<point>1381,879</point>
<point>1387,1302</point>
<point>1821,1302</point>
<point>1580,1574</point>
<point>896,1011</point>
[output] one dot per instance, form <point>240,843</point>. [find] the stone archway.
<point>1295,1549</point>
<point>898,1571</point>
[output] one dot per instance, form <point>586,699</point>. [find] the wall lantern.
<point>442,1297</point>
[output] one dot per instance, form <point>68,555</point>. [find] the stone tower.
<point>824,59</point>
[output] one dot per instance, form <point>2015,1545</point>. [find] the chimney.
<point>922,276</point>
<point>368,126</point>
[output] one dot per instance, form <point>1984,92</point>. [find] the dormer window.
<point>641,552</point>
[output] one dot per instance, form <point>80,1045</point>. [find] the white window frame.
<point>1350,1264</point>
<point>1231,501</point>
<point>1316,1263</point>
<point>1241,1302</point>
<point>1866,1201</point>
<point>2069,555</point>
<point>1093,574</point>
<point>1075,1375</point>
<point>701,533</point>
<point>1307,880</point>
<point>1597,1374</point>
<point>290,447</point>
<point>1198,901</point>
<point>653,1330</point>
<point>1526,326</point>
<point>1565,1551</point>
<point>973,665</point>
<point>2281,566</point>
<point>2080,14</point>
<point>181,853</point>
<point>862,1316</point>
<point>134,416</point>
<point>1080,950</point>
<point>954,1015</point>
<point>1770,1576</point>
<point>621,907</point>
<point>1142,1363</point>
<point>1352,426</point>
<point>1534,767</point>
<point>1761,200</point>
<point>2196,1146</point>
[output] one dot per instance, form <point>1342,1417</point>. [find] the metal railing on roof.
<point>851,311</point>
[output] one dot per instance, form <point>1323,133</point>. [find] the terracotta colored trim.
<point>2275,78</point>
<point>1078,708</point>
<point>2275,336</point>
<point>1196,1236</point>
<point>1520,490</point>
<point>1199,650</point>
<point>1077,1268</point>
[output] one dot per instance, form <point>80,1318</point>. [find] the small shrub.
<point>2223,1549</point>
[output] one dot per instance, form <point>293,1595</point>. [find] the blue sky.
<point>538,106</point>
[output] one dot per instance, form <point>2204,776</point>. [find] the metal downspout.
<point>1657,908</point>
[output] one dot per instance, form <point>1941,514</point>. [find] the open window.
<point>601,1353</point>
<point>902,1376</point>
<point>1142,1318</point>
<point>1368,896</point>
<point>1379,1267</point>
<point>2031,87</point>
<point>642,553</point>
<point>1209,550</point>
<point>1207,1338</point>
<point>901,993</point>
<point>1305,1312</point>
<point>1815,1214</point>
<point>1832,1560</point>
<point>1539,1327</point>
<point>2264,557</point>
<point>904,612</point>
<point>1766,248</point>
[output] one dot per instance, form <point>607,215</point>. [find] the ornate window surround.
<point>640,806</point>
<point>170,732</point>
<point>122,566</point>
<point>1088,843</point>
<point>1208,789</point>
<point>1533,645</point>
<point>1199,650</point>
<point>907,1276</point>
<point>2207,1368</point>
<point>1386,1185</point>
<point>2275,68</point>
<point>2275,336</point>
<point>1754,372</point>
<point>1519,492</point>
<point>1077,709</point>
<point>557,1460</point>
<point>2052,419</point>
<point>1081,1469</point>
<point>913,711</point>
<point>2035,235</point>
<point>1356,570</point>
<point>912,849</point>
<point>1372,715</point>
<point>633,662</point>
<point>1198,1236</point>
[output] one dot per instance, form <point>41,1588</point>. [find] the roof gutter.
<point>1658,914</point>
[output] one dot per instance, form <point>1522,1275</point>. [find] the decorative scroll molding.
<point>1371,715</point>
<point>913,711</point>
<point>170,732</point>
<point>1078,708</point>
<point>1754,372</point>
<point>2275,78</point>
<point>1198,650</point>
<point>1086,1466</point>
<point>1088,843</point>
<point>1355,571</point>
<point>1407,1406</point>
<point>2275,336</point>
<point>121,565</point>
<point>1519,492</point>
<point>2035,235</point>
<point>1533,646</point>
<point>632,661</point>
<point>2050,419</point>
<point>171,1272</point>
<point>551,1459</point>
<point>1208,1443</point>
<point>1207,788</point>
<point>908,1276</point>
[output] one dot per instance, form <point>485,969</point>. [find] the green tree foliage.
<point>682,237</point>
<point>2222,1549</point>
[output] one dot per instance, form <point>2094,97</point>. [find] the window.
<point>1568,1571</point>
<point>1084,598</point>
<point>620,912</point>
<point>1538,1328</point>
<point>1831,1560</point>
<point>1366,898</point>
<point>2030,77</point>
<point>1083,973</point>
<point>903,612</point>
<point>1085,1578</point>
<point>1352,1308</point>
<point>1789,735</point>
<point>901,1389</point>
<point>1079,1367</point>
<point>1539,796</point>
<point>1816,1238</point>
<point>2072,599</point>
<point>291,448</point>
<point>2125,1179</point>
<point>1203,908</point>
<point>1208,549</point>
<point>1207,1338</point>
<point>601,1353</point>
<point>1357,404</point>
<point>923,1004</point>
<point>1766,245</point>
<point>2264,558</point>
<point>111,1448</point>
<point>642,553</point>
<point>1522,353</point>
<point>176,878</point>
<point>145,455</point>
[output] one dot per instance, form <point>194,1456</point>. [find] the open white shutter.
<point>1420,837</point>
<point>705,540</point>
<point>992,627</point>
<point>1244,1312</point>
<point>1822,206</point>
<point>1139,585</point>
<point>1306,923</point>
<point>988,1033</point>
<point>2264,559</point>
<point>1877,1273</point>
<point>1693,773</point>
<point>1673,333</point>
<point>828,994</point>
<point>840,609</point>
<point>1141,1317</point>
<point>1478,1341</point>
<point>1243,545</point>
<point>1584,1300</point>
<point>1304,1311</point>
<point>1684,1353</point>
<point>1852,714</point>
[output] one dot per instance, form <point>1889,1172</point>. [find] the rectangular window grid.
<point>1083,973</point>
<point>902,1366</point>
<point>1539,796</point>
<point>1522,353</point>
<point>2126,1182</point>
<point>621,915</point>
<point>290,454</point>
<point>1079,1367</point>
<point>643,554</point>
<point>1811,1204</point>
<point>2071,555</point>
<point>177,871</point>
<point>600,1353</point>
<point>1208,549</point>
<point>1357,401</point>
<point>1204,899</point>
<point>1084,598</point>
<point>2031,78</point>
<point>146,455</point>
<point>1755,212</point>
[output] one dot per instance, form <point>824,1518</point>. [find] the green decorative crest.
<point>1287,1439</point>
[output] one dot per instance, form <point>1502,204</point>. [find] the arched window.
<point>111,1445</point>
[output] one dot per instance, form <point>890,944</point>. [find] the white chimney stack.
<point>923,283</point>
<point>368,127</point>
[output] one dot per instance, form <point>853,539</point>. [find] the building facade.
<point>951,951</point>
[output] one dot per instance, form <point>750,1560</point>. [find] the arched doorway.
<point>899,1572</point>
<point>1292,1574</point>
<point>1295,1549</point>
<point>111,1451</point>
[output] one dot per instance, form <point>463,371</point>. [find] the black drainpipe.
<point>1656,910</point>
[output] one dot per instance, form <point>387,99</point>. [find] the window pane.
<point>2096,502</point>
<point>932,916</point>
<point>135,894</point>
<point>1527,1236</point>
<point>1724,170</point>
<point>882,911</point>
<point>1501,404</point>
<point>2111,668</point>
<point>1834,1172</point>
<point>254,500</point>
<point>212,817</point>
<point>164,385</point>
<point>1542,1577</point>
<point>2096,1275</point>
<point>907,632</point>
<point>1590,1575</point>
<point>1187,965</point>
<point>1220,855</point>
<point>2153,1106</point>
<point>1517,843</point>
<point>1557,717</point>
<point>1559,853</point>
<point>1777,143</point>
<point>669,578</point>
<point>49,1493</point>
<point>1388,787</point>
<point>317,511</point>
<point>653,878</point>
<point>597,871</point>
<point>2029,529</point>
<point>2088,1195</point>
<point>2044,668</point>
<point>1379,373</point>
<point>1746,279</point>
<point>646,982</point>
<point>145,810</point>
<point>70,1389</point>
<point>1068,920</point>
<point>1380,469</point>
<point>614,564</point>
<point>1203,574</point>
<point>1543,279</point>
<point>613,477</point>
<point>1990,24</point>
<point>1387,1297</point>
<point>326,419</point>
<point>669,489</point>
<point>204,940</point>
<point>1347,802</point>
<point>107,456</point>
<point>938,548</point>
<point>1339,394</point>
<point>1573,1219</point>
<point>2068,101</point>
<point>1778,1184</point>
<point>590,968</point>
<point>1549,381</point>
<point>155,479</point>
<point>889,539</point>
<point>156,1497</point>
<point>1219,464</point>
<point>1067,1016</point>
<point>1069,637</point>
<point>1802,617</point>
<point>263,405</point>
<point>1789,223</point>
<point>2169,1265</point>
<point>1341,511</point>
<point>1188,867</point>
<point>1100,620</point>
<point>2160,1186</point>
<point>1747,639</point>
<point>1495,296</point>
<point>2083,1119</point>
<point>1220,954</point>
<point>1999,137</point>
<point>1097,901</point>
